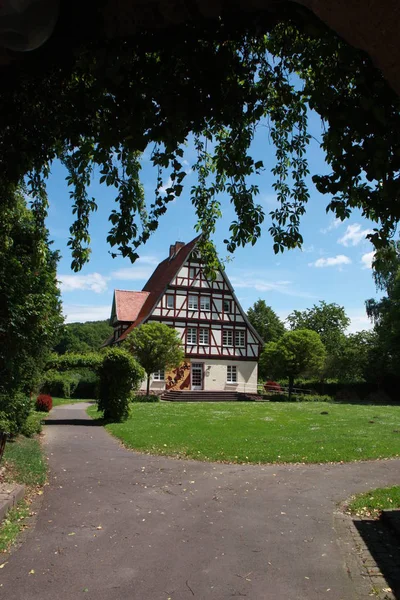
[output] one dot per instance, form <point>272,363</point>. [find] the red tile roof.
<point>128,304</point>
<point>158,283</point>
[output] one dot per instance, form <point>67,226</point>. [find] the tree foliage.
<point>102,106</point>
<point>385,313</point>
<point>265,321</point>
<point>30,308</point>
<point>83,337</point>
<point>156,346</point>
<point>119,374</point>
<point>328,320</point>
<point>297,353</point>
<point>355,358</point>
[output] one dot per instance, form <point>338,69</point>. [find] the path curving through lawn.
<point>118,525</point>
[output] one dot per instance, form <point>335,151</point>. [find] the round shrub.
<point>44,403</point>
<point>119,374</point>
<point>14,409</point>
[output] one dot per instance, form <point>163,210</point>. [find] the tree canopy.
<point>328,320</point>
<point>155,346</point>
<point>265,321</point>
<point>213,82</point>
<point>30,307</point>
<point>385,313</point>
<point>299,352</point>
<point>83,337</point>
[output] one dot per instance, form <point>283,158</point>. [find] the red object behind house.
<point>44,403</point>
<point>272,386</point>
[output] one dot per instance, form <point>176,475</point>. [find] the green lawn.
<point>270,432</point>
<point>25,462</point>
<point>372,503</point>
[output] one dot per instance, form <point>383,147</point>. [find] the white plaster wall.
<point>155,386</point>
<point>215,373</point>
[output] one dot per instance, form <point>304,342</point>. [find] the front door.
<point>197,376</point>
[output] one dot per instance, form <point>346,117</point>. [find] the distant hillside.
<point>82,337</point>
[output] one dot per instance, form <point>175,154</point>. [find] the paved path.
<point>117,525</point>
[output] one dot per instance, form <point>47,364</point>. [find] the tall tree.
<point>265,321</point>
<point>83,337</point>
<point>30,307</point>
<point>385,313</point>
<point>299,352</point>
<point>155,346</point>
<point>328,320</point>
<point>356,357</point>
<point>221,79</point>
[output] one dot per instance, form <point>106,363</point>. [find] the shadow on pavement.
<point>384,547</point>
<point>84,422</point>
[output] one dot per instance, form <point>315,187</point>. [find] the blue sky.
<point>334,264</point>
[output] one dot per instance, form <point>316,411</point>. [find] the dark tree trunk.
<point>291,382</point>
<point>148,385</point>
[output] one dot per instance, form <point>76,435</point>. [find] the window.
<point>227,337</point>
<point>205,303</point>
<point>240,338</point>
<point>159,375</point>
<point>191,336</point>
<point>193,302</point>
<point>204,335</point>
<point>169,301</point>
<point>192,273</point>
<point>227,306</point>
<point>231,374</point>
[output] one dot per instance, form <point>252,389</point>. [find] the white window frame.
<point>205,303</point>
<point>231,374</point>
<point>191,334</point>
<point>159,375</point>
<point>227,333</point>
<point>167,297</point>
<point>193,305</point>
<point>240,338</point>
<point>204,336</point>
<point>229,302</point>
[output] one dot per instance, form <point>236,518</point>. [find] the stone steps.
<point>205,396</point>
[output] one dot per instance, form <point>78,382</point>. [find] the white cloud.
<point>332,261</point>
<point>354,235</point>
<point>367,259</point>
<point>333,225</point>
<point>95,282</point>
<point>261,284</point>
<point>84,312</point>
<point>166,185</point>
<point>359,320</point>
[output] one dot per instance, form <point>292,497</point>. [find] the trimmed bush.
<point>298,398</point>
<point>119,374</point>
<point>32,425</point>
<point>44,403</point>
<point>145,398</point>
<point>88,385</point>
<point>60,385</point>
<point>14,411</point>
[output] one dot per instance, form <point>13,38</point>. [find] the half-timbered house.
<point>221,346</point>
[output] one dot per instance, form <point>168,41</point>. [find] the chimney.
<point>174,249</point>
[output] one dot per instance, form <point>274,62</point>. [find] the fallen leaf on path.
<point>32,572</point>
<point>72,533</point>
<point>3,565</point>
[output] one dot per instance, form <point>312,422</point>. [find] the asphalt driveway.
<point>118,525</point>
